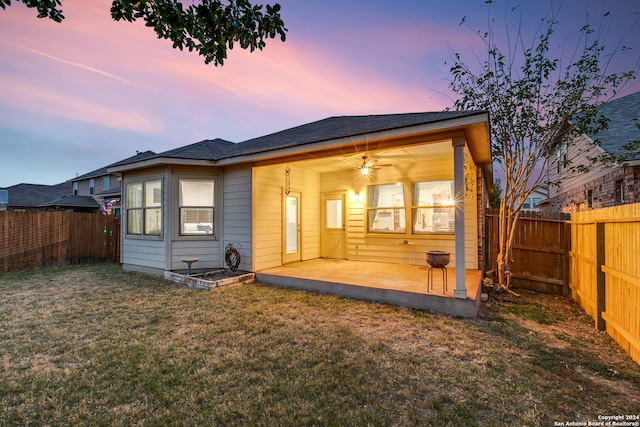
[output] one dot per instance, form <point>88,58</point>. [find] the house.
<point>103,187</point>
<point>21,197</point>
<point>601,186</point>
<point>4,199</point>
<point>379,188</point>
<point>37,197</point>
<point>536,199</point>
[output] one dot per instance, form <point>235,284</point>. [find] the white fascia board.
<point>160,161</point>
<point>451,124</point>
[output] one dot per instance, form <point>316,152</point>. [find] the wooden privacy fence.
<point>540,251</point>
<point>40,239</point>
<point>605,271</point>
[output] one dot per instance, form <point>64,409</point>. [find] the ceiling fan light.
<point>364,170</point>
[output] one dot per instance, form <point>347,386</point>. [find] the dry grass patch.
<point>96,345</point>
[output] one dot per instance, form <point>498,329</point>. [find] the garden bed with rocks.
<point>211,279</point>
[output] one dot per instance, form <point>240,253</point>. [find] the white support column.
<point>458,185</point>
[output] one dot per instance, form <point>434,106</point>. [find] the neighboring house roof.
<point>73,201</point>
<point>34,195</point>
<point>624,118</point>
<point>103,170</point>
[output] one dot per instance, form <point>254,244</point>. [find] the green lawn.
<point>98,346</point>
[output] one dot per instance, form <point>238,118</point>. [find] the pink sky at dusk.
<point>89,91</point>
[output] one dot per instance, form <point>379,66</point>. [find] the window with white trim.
<point>386,208</point>
<point>91,185</point>
<point>433,207</point>
<point>196,205</point>
<point>619,191</point>
<point>105,182</point>
<point>144,208</point>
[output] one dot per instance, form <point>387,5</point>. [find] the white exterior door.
<point>291,238</point>
<point>334,239</point>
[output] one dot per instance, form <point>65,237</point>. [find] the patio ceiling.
<point>396,157</point>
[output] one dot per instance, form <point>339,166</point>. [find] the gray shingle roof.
<point>73,201</point>
<point>342,127</point>
<point>103,170</point>
<point>209,149</point>
<point>321,130</point>
<point>33,195</point>
<point>624,116</point>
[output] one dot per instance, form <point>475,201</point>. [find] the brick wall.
<point>603,192</point>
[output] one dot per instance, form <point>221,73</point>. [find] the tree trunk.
<point>507,222</point>
<point>503,257</point>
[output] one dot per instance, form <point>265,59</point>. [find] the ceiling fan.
<point>368,165</point>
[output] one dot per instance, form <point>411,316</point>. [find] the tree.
<point>208,27</point>
<point>496,197</point>
<point>531,96</point>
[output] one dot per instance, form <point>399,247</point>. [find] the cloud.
<point>292,76</point>
<point>73,64</point>
<point>43,100</point>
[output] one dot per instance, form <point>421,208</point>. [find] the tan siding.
<point>578,154</point>
<point>310,221</point>
<point>389,248</point>
<point>267,221</point>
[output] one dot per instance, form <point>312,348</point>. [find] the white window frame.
<point>106,184</point>
<point>619,190</point>
<point>202,206</point>
<point>149,204</point>
<point>424,212</point>
<point>391,212</point>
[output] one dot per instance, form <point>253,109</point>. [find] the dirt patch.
<point>219,274</point>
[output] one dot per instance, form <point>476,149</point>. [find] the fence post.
<point>600,276</point>
<point>566,259</point>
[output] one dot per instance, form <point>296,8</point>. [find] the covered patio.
<point>399,284</point>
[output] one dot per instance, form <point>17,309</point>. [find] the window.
<point>561,158</point>
<point>536,200</point>
<point>196,207</point>
<point>105,183</point>
<point>619,191</point>
<point>386,212</point>
<point>527,204</point>
<point>433,207</point>
<point>590,198</point>
<point>91,185</point>
<point>75,188</point>
<point>144,208</point>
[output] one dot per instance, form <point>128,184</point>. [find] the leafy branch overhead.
<point>208,26</point>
